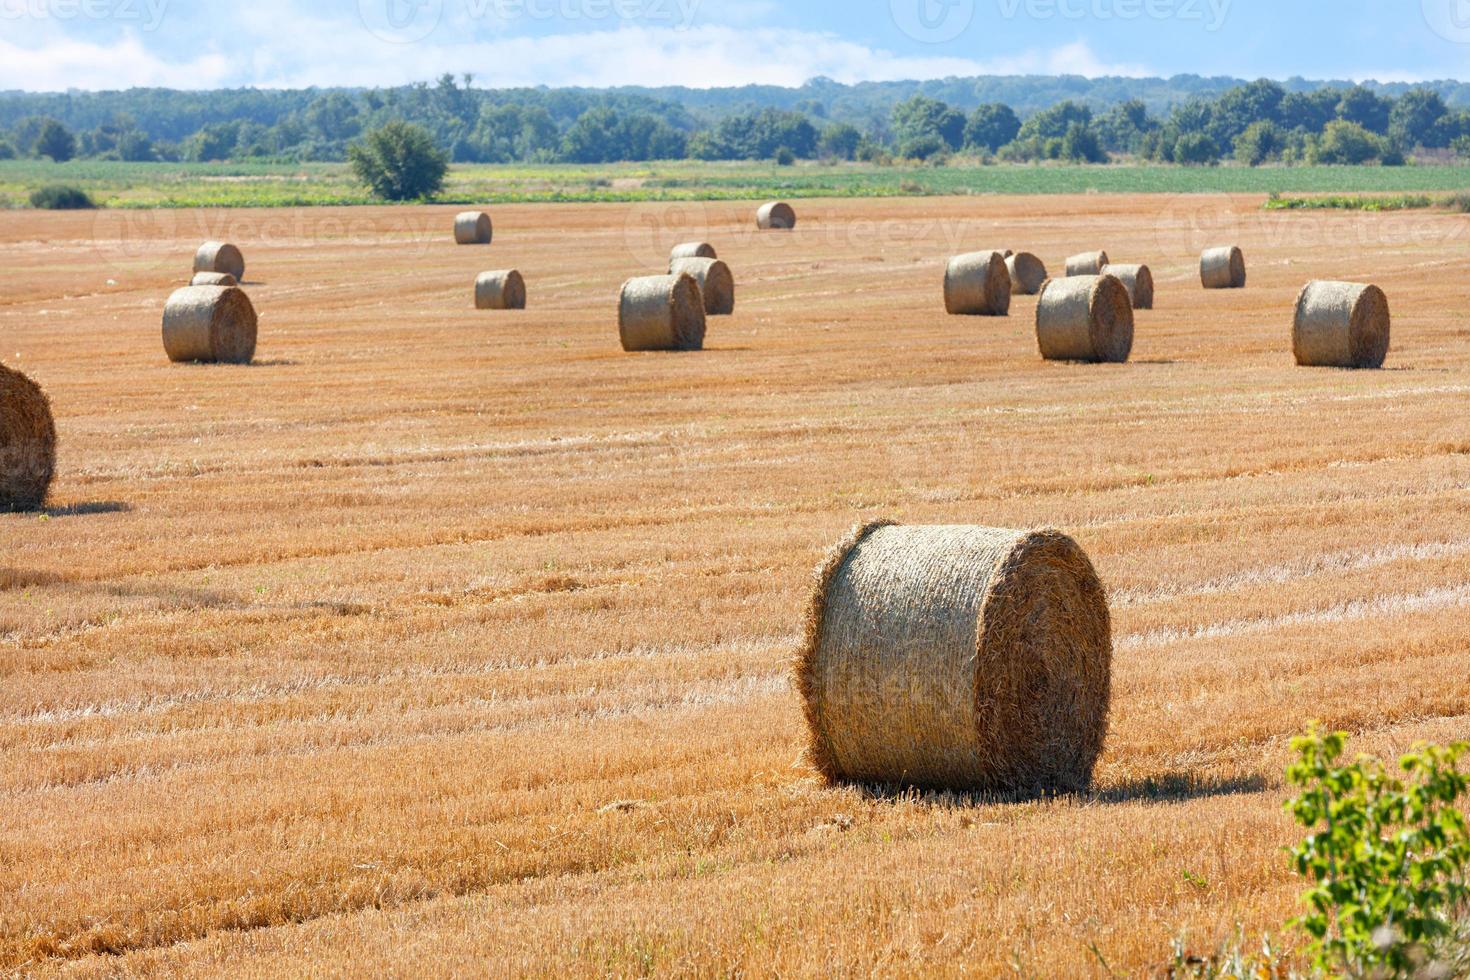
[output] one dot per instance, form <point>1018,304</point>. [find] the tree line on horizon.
<point>1254,123</point>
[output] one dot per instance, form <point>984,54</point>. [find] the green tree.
<point>399,161</point>
<point>135,147</point>
<point>1366,108</point>
<point>1347,143</point>
<point>1053,123</point>
<point>1261,141</point>
<point>923,126</point>
<point>1309,110</point>
<point>1080,145</point>
<point>841,141</point>
<point>1415,119</point>
<point>1196,149</point>
<point>1240,107</point>
<point>1123,127</point>
<point>991,126</point>
<point>56,142</point>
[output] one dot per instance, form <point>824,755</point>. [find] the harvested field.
<point>452,645</point>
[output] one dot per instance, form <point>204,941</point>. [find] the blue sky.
<point>55,44</point>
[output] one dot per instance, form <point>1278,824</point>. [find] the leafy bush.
<point>399,162</point>
<point>784,157</point>
<point>1196,149</point>
<point>60,197</point>
<point>1349,143</point>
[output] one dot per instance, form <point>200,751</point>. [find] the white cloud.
<point>60,65</point>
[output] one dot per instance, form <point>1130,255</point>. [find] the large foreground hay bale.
<point>472,228</point>
<point>716,283</point>
<point>692,250</point>
<point>1027,273</point>
<point>1222,268</point>
<point>1341,324</point>
<point>209,323</point>
<point>776,215</point>
<point>977,284</point>
<point>661,313</point>
<point>965,658</point>
<point>1087,264</point>
<point>220,257</point>
<point>504,289</point>
<point>214,279</point>
<point>1084,318</point>
<point>27,442</point>
<point>1138,280</point>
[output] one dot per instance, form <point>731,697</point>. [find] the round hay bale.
<point>962,658</point>
<point>220,257</point>
<point>977,284</point>
<point>1138,280</point>
<point>502,290</point>
<point>716,283</point>
<point>1087,264</point>
<point>776,215</point>
<point>214,279</point>
<point>1027,273</point>
<point>1084,318</point>
<point>661,313</point>
<point>1222,268</point>
<point>209,323</point>
<point>692,250</point>
<point>472,228</point>
<point>27,442</point>
<point>1341,324</point>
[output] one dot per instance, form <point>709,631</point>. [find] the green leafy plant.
<point>399,162</point>
<point>61,197</point>
<point>1388,855</point>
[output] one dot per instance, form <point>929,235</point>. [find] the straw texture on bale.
<point>209,323</point>
<point>1084,318</point>
<point>977,284</point>
<point>692,250</point>
<point>716,283</point>
<point>214,279</point>
<point>1087,264</point>
<point>661,313</point>
<point>1139,282</point>
<point>27,442</point>
<point>502,290</point>
<point>1222,268</point>
<point>1341,324</point>
<point>963,658</point>
<point>472,228</point>
<point>776,215</point>
<point>1027,273</point>
<point>220,257</point>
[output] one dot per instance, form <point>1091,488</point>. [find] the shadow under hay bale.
<point>27,442</point>
<point>1084,318</point>
<point>1138,280</point>
<point>211,324</point>
<point>661,313</point>
<point>716,283</point>
<point>213,279</point>
<point>220,257</point>
<point>1341,324</point>
<point>1087,264</point>
<point>972,659</point>
<point>977,284</point>
<point>501,290</point>
<point>472,228</point>
<point>1027,273</point>
<point>692,250</point>
<point>1222,268</point>
<point>775,216</point>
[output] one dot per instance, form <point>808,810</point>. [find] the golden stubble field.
<point>440,641</point>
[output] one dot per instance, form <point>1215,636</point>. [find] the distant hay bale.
<point>501,290</point>
<point>1087,264</point>
<point>27,442</point>
<point>692,250</point>
<point>1084,318</point>
<point>1341,324</point>
<point>214,279</point>
<point>472,228</point>
<point>661,313</point>
<point>962,658</point>
<point>220,257</point>
<point>1027,273</point>
<point>716,283</point>
<point>209,323</point>
<point>1138,280</point>
<point>1222,268</point>
<point>977,284</point>
<point>776,215</point>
